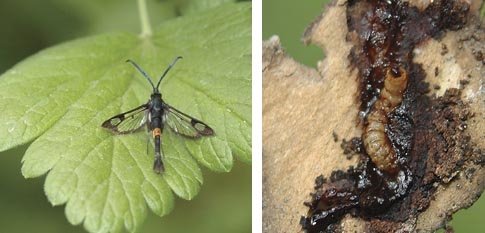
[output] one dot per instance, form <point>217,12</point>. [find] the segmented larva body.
<point>376,143</point>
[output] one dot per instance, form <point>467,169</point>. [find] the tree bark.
<point>307,112</point>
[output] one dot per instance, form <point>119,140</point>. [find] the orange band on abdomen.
<point>157,132</point>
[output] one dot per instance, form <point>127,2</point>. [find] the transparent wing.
<point>127,122</point>
<point>186,125</point>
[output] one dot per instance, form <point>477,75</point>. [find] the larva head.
<point>396,84</point>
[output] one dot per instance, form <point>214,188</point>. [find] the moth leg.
<point>148,142</point>
<point>147,115</point>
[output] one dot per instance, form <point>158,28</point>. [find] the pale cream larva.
<point>376,143</point>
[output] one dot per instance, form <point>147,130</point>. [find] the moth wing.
<point>186,125</point>
<point>127,122</point>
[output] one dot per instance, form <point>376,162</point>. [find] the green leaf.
<point>58,98</point>
<point>195,6</point>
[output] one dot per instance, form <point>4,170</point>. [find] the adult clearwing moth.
<point>155,114</point>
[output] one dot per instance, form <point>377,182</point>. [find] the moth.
<point>156,114</point>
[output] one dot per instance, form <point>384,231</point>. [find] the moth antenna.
<point>144,74</point>
<point>168,68</point>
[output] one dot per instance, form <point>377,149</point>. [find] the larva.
<point>376,143</point>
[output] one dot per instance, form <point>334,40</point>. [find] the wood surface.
<point>303,108</point>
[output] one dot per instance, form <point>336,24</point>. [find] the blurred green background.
<point>224,202</point>
<point>288,19</point>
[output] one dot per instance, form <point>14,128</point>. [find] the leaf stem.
<point>146,28</point>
